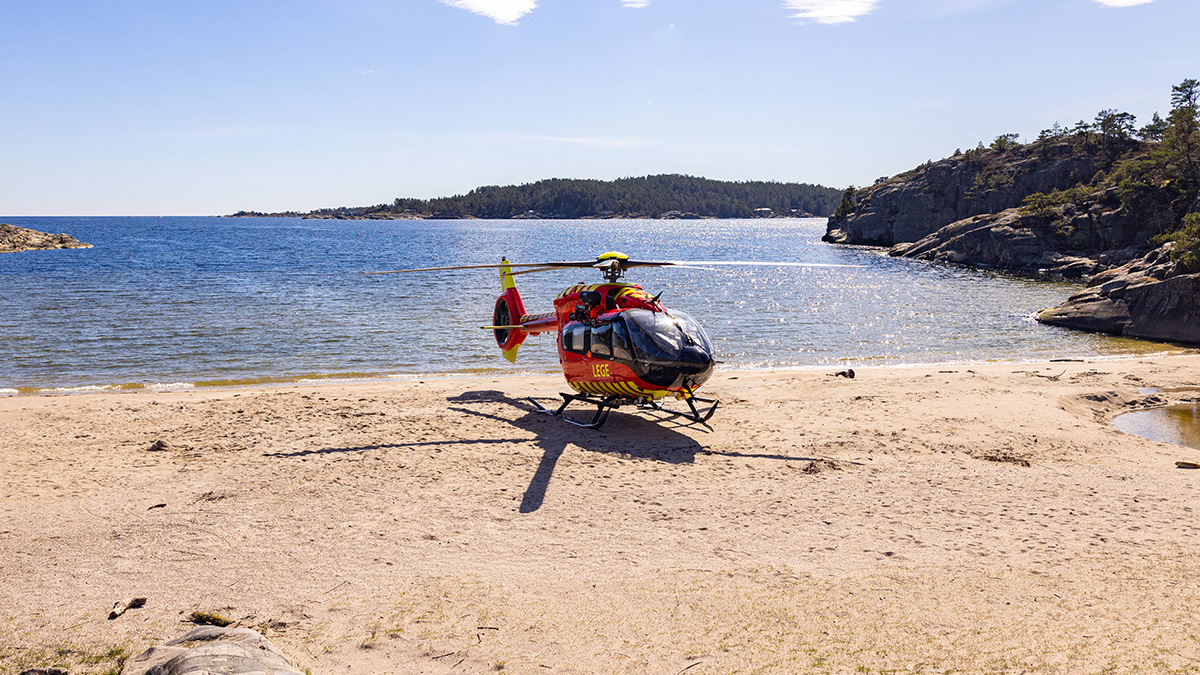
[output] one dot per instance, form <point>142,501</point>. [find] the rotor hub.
<point>613,271</point>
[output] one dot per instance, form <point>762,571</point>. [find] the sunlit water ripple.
<point>186,301</point>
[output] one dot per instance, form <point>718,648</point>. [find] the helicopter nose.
<point>696,354</point>
<point>700,363</point>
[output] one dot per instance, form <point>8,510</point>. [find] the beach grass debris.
<point>117,654</point>
<point>65,659</point>
<point>1007,456</point>
<point>209,619</point>
<point>212,496</point>
<point>821,465</point>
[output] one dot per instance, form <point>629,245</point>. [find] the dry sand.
<point>978,519</point>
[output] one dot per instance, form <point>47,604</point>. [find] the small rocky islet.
<point>14,239</point>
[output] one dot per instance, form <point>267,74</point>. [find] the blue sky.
<point>125,107</point>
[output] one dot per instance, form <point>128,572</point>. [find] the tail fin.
<point>510,310</point>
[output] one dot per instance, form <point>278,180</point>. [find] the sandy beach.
<point>967,519</point>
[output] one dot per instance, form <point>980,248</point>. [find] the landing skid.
<point>605,404</point>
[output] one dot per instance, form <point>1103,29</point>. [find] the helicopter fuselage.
<point>615,339</point>
<point>616,344</point>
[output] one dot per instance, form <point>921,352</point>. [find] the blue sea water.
<point>181,301</point>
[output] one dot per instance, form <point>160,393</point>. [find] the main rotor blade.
<point>628,264</point>
<point>546,265</point>
<point>540,269</point>
<point>695,263</point>
<point>754,263</point>
<point>624,264</point>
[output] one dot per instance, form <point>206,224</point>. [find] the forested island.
<point>662,196</point>
<point>1106,201</point>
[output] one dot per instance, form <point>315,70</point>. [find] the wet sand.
<point>978,519</point>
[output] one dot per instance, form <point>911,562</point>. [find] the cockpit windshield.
<point>659,337</point>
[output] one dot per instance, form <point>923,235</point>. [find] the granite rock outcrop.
<point>13,239</point>
<point>1044,210</point>
<point>1143,298</point>
<point>915,204</point>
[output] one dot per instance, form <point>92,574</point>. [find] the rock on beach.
<point>1141,299</point>
<point>210,649</point>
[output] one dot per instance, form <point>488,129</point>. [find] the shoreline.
<point>275,381</point>
<point>974,518</point>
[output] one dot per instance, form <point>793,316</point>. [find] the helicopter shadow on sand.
<point>646,436</point>
<point>652,436</point>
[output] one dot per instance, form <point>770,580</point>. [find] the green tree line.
<point>1153,169</point>
<point>649,196</point>
<point>1156,167</point>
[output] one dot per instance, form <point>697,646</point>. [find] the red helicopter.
<point>617,345</point>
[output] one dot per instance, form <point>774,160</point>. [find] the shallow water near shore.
<point>177,302</point>
<point>1178,424</point>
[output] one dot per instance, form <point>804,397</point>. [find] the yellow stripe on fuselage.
<point>579,288</point>
<point>626,389</point>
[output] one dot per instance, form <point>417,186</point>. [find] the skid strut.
<point>605,404</point>
<point>693,414</point>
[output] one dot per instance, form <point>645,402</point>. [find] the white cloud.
<point>636,4</point>
<point>1123,3</point>
<point>505,12</point>
<point>835,11</point>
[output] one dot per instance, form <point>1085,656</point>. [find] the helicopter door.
<point>620,342</point>
<point>602,341</point>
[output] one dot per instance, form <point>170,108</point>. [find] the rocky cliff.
<point>1046,209</point>
<point>971,209</point>
<point>13,238</point>
<point>1067,240</point>
<point>913,205</point>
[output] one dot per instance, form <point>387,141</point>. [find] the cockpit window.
<point>661,336</point>
<point>575,338</point>
<point>602,340</point>
<point>620,342</point>
<point>640,335</point>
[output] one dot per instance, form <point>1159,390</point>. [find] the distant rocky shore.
<point>970,209</point>
<point>528,215</point>
<point>664,196</point>
<point>13,239</point>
